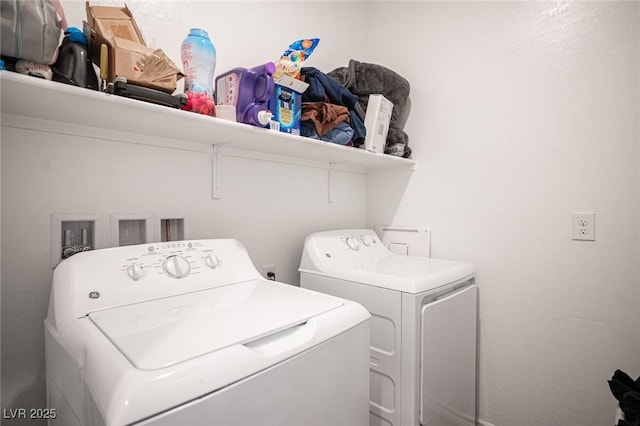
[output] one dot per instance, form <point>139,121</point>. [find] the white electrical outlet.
<point>584,226</point>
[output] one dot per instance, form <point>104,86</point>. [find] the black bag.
<point>120,87</point>
<point>74,65</point>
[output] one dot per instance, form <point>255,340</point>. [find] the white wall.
<point>524,112</point>
<point>269,206</point>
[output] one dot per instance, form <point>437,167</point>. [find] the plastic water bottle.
<point>199,62</point>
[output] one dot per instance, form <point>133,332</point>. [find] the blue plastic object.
<point>76,36</point>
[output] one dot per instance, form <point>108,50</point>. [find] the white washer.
<point>423,325</point>
<point>189,333</point>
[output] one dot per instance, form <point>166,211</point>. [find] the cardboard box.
<point>376,121</point>
<point>286,104</point>
<point>112,22</point>
<point>128,56</point>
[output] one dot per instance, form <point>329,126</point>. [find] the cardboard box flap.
<point>113,22</point>
<point>152,62</point>
<point>95,41</point>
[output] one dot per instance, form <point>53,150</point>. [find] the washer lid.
<point>164,332</point>
<point>409,274</point>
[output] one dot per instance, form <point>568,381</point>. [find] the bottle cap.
<point>198,32</point>
<point>264,117</point>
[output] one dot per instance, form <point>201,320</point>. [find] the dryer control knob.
<point>353,243</point>
<point>135,271</point>
<point>176,266</point>
<point>212,261</point>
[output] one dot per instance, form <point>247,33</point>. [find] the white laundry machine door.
<point>448,359</point>
<point>325,386</point>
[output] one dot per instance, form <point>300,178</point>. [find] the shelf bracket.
<point>216,172</point>
<point>331,194</point>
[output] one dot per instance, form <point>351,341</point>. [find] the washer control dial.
<point>353,243</point>
<point>135,271</point>
<point>365,241</point>
<point>176,266</point>
<point>212,261</point>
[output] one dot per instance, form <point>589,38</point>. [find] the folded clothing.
<point>364,79</point>
<point>342,134</point>
<point>323,88</point>
<point>325,116</point>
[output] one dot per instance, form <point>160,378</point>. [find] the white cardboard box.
<point>376,121</point>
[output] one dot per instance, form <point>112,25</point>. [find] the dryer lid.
<point>409,274</point>
<point>164,332</point>
<point>358,255</point>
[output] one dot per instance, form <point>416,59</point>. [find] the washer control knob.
<point>353,243</point>
<point>212,261</point>
<point>176,266</point>
<point>365,241</point>
<point>135,271</point>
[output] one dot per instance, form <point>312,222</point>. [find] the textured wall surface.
<point>524,112</point>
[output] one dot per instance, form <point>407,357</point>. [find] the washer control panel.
<point>118,276</point>
<point>174,260</point>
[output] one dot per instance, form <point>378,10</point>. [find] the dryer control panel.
<point>344,247</point>
<point>355,241</point>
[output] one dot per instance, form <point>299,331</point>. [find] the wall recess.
<point>74,232</point>
<point>131,228</point>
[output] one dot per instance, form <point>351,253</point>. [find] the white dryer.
<point>188,333</point>
<point>423,325</point>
